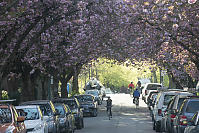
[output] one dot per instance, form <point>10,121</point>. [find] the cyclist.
<point>109,105</point>
<point>131,87</point>
<point>136,94</point>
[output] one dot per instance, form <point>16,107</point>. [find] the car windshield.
<point>46,109</point>
<point>95,93</point>
<point>167,99</point>
<point>71,103</point>
<point>29,113</point>
<point>5,115</point>
<point>85,98</point>
<point>192,107</point>
<point>60,109</point>
<point>153,87</point>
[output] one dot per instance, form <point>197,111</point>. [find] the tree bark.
<point>75,86</point>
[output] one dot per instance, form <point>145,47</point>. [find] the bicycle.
<point>136,103</point>
<point>109,112</point>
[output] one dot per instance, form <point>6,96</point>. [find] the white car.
<point>149,87</point>
<point>34,121</point>
<point>162,100</point>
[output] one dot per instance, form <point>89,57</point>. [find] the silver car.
<point>193,125</point>
<point>34,121</point>
<point>49,114</point>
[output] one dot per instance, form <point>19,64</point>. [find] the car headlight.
<point>10,129</point>
<point>75,111</point>
<point>38,127</point>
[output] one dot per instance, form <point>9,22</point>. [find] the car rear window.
<point>167,99</point>
<point>153,87</point>
<point>180,102</point>
<point>71,103</point>
<point>192,106</point>
<point>46,109</point>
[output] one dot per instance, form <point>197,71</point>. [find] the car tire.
<point>153,125</point>
<point>157,127</point>
<point>94,113</point>
<point>82,123</point>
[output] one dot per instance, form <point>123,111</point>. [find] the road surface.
<point>126,118</point>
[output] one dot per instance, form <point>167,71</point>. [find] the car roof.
<point>153,83</point>
<point>36,102</point>
<point>26,106</point>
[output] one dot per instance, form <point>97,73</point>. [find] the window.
<point>29,113</point>
<point>46,109</point>
<point>60,109</point>
<point>192,107</point>
<point>5,115</point>
<point>153,87</point>
<point>167,99</point>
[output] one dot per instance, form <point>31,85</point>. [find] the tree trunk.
<point>171,83</point>
<point>44,83</point>
<point>75,86</point>
<point>154,76</point>
<point>64,80</point>
<point>28,92</point>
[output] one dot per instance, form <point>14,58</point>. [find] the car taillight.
<point>183,120</point>
<point>159,112</point>
<point>146,92</point>
<point>172,117</point>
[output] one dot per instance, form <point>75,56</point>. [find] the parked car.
<point>66,118</point>
<point>34,121</point>
<point>10,122</point>
<point>148,88</point>
<point>170,113</point>
<point>193,125</point>
<point>89,104</point>
<point>160,106</point>
<point>75,108</point>
<point>151,104</point>
<point>49,113</point>
<point>150,98</point>
<point>187,110</point>
<point>96,94</point>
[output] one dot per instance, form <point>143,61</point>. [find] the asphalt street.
<point>126,118</point>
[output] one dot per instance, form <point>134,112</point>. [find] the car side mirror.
<point>20,119</point>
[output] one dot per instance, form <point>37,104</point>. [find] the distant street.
<point>126,119</point>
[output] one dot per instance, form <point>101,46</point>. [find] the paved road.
<point>126,119</point>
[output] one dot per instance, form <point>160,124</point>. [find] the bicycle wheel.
<point>108,113</point>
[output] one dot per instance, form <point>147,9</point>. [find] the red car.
<point>10,122</point>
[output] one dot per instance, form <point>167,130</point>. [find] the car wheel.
<point>153,125</point>
<point>157,127</point>
<point>95,112</point>
<point>82,123</point>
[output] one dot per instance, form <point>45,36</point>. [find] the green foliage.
<point>5,95</point>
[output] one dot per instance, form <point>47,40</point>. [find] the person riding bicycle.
<point>109,105</point>
<point>136,94</point>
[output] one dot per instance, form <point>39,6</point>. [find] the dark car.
<point>185,113</point>
<point>89,104</point>
<point>171,110</point>
<point>10,122</point>
<point>49,113</point>
<point>150,98</point>
<point>75,108</point>
<point>193,125</point>
<point>96,94</point>
<point>66,118</point>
